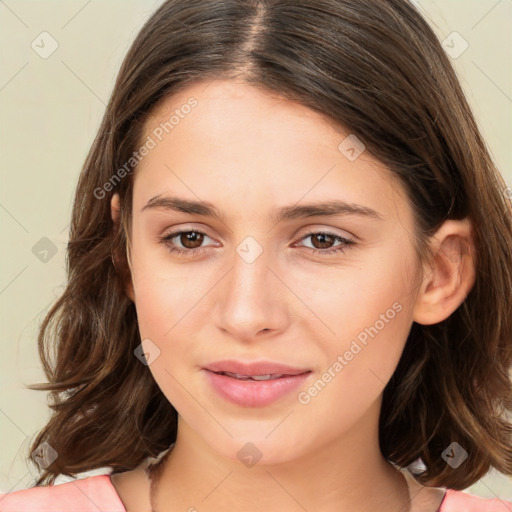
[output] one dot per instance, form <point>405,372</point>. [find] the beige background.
<point>50,110</point>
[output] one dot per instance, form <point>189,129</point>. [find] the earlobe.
<point>130,292</point>
<point>115,209</point>
<point>447,283</point>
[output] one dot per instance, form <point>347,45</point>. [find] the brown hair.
<point>371,66</point>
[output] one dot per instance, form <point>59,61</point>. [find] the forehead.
<point>224,104</point>
<point>224,139</point>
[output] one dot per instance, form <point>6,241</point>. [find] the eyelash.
<point>166,239</point>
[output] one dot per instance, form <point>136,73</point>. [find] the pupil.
<point>322,238</point>
<point>192,237</point>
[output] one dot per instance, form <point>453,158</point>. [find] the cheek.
<point>358,367</point>
<point>163,293</point>
<point>366,299</point>
<point>371,314</point>
<point>156,304</point>
<point>162,308</point>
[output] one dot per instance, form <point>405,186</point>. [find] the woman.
<point>289,274</point>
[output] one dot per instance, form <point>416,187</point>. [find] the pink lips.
<point>254,393</point>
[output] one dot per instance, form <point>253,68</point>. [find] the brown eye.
<point>322,240</point>
<point>191,239</point>
<point>322,243</point>
<point>184,243</point>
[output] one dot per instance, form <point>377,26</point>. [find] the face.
<point>329,293</point>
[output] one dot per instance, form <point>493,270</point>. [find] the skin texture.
<point>248,152</point>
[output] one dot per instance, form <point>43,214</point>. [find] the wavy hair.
<point>374,67</point>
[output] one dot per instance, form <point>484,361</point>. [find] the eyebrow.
<point>317,209</point>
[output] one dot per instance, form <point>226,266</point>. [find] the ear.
<point>447,283</point>
<point>115,210</point>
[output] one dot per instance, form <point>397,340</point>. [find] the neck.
<point>347,473</point>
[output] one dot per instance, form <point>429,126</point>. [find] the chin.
<point>258,449</point>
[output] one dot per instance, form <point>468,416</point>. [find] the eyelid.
<point>186,229</point>
<point>318,231</point>
<point>319,228</point>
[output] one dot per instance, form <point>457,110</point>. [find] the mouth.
<point>255,377</point>
<point>255,388</point>
<point>258,370</point>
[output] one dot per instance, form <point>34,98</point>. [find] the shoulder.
<point>82,495</point>
<point>460,501</point>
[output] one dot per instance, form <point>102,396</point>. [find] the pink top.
<point>95,493</point>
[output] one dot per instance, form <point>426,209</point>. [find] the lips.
<point>252,377</point>
<point>255,384</point>
<point>240,369</point>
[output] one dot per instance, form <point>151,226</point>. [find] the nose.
<point>252,300</point>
